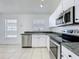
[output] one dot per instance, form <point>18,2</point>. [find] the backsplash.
<point>71,28</point>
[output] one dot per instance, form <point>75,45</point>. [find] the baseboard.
<point>12,44</point>
<point>32,47</point>
<point>26,46</point>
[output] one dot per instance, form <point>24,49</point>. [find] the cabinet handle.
<point>69,55</point>
<point>61,55</point>
<point>77,19</point>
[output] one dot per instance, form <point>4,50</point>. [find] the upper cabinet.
<point>59,9</point>
<point>67,4</point>
<point>65,13</point>
<point>52,21</point>
<point>77,11</point>
<point>55,15</point>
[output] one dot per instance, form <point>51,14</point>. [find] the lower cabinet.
<point>39,40</point>
<point>67,54</point>
<point>64,56</point>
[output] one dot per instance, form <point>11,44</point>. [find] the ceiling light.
<point>42,0</point>
<point>41,6</point>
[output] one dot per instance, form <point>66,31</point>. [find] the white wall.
<point>2,29</point>
<point>24,24</point>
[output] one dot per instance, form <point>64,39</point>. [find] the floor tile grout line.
<point>32,53</point>
<point>41,54</point>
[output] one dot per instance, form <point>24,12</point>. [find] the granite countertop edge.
<point>48,32</point>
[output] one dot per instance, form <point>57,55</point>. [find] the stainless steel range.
<point>56,40</point>
<point>54,47</point>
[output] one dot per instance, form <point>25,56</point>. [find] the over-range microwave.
<point>69,15</point>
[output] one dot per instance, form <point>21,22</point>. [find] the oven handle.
<point>54,42</point>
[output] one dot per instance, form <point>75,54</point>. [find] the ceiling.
<point>27,6</point>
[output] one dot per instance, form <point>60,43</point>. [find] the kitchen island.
<point>35,38</point>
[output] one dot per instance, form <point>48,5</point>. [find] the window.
<point>11,36</point>
<point>12,21</point>
<point>11,28</point>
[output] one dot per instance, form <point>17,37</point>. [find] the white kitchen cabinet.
<point>63,6</point>
<point>77,10</point>
<point>34,41</point>
<point>55,15</point>
<point>67,4</point>
<point>39,40</point>
<point>64,56</point>
<point>59,10</point>
<point>67,54</point>
<point>64,53</point>
<point>52,21</point>
<point>75,56</point>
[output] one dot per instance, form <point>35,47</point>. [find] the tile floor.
<point>16,52</point>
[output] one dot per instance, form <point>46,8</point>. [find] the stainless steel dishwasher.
<point>27,41</point>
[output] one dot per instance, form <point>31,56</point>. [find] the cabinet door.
<point>55,15</point>
<point>35,41</point>
<point>67,54</point>
<point>43,41</point>
<point>59,10</point>
<point>64,56</point>
<point>39,40</point>
<point>72,55</point>
<point>67,4</point>
<point>77,10</point>
<point>52,21</point>
<point>75,56</point>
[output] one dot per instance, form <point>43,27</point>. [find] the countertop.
<point>74,47</point>
<point>59,37</point>
<point>37,32</point>
<point>48,32</point>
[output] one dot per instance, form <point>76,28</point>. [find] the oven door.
<point>69,15</point>
<point>54,50</point>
